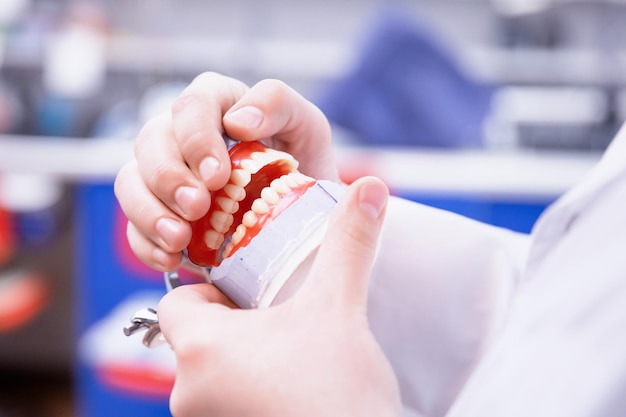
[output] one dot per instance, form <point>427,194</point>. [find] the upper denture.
<point>262,184</point>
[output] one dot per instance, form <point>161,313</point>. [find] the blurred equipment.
<point>11,10</point>
<point>520,7</point>
<point>408,90</point>
<point>550,118</point>
<point>34,200</point>
<point>6,237</point>
<point>136,380</point>
<point>23,295</point>
<point>74,63</point>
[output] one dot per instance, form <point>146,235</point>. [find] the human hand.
<point>313,355</point>
<point>180,157</point>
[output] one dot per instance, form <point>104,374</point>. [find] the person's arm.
<point>425,295</point>
<point>440,289</point>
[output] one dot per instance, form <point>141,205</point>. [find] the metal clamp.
<point>146,319</point>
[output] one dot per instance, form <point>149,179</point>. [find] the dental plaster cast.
<point>263,228</point>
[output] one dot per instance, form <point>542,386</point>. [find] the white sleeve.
<point>440,288</point>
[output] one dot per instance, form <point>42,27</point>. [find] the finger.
<point>197,116</point>
<point>151,254</point>
<point>272,110</point>
<point>165,173</point>
<point>180,309</point>
<point>341,270</point>
<point>150,216</point>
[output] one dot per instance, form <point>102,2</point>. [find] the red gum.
<point>197,250</point>
<point>285,201</point>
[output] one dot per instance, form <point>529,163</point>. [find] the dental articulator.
<point>259,236</point>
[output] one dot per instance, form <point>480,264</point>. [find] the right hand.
<point>312,355</point>
<point>180,157</point>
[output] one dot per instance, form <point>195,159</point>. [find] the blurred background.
<point>488,108</point>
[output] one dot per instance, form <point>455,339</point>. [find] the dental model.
<point>262,226</point>
<point>263,182</point>
<point>260,234</point>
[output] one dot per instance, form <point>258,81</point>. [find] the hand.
<point>313,355</point>
<point>180,157</point>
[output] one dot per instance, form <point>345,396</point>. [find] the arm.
<point>440,289</point>
<point>422,289</point>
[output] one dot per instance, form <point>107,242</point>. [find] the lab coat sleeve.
<point>440,288</point>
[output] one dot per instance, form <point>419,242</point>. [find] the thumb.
<point>183,311</point>
<point>341,270</point>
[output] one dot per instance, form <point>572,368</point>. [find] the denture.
<point>262,184</point>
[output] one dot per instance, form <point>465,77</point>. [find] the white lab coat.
<point>480,321</point>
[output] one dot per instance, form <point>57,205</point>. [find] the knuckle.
<point>197,93</point>
<point>360,238</point>
<point>137,244</point>
<point>141,220</point>
<point>159,176</point>
<point>187,99</point>
<point>122,178</point>
<point>140,141</point>
<point>146,133</point>
<point>357,233</point>
<point>195,146</point>
<point>212,78</point>
<point>274,88</point>
<point>208,76</point>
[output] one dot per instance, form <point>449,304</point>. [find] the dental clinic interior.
<point>488,108</point>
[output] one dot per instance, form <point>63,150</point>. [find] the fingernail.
<point>168,230</point>
<point>373,198</point>
<point>248,116</point>
<point>185,198</point>
<point>208,168</point>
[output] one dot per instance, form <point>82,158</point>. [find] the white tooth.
<point>234,192</point>
<point>299,178</point>
<point>289,181</point>
<point>295,177</point>
<point>285,158</point>
<point>275,155</point>
<point>279,186</point>
<point>262,158</point>
<point>227,250</point>
<point>213,239</point>
<point>292,164</point>
<point>240,177</point>
<point>240,232</point>
<point>305,178</point>
<point>269,195</point>
<point>227,205</point>
<point>259,206</point>
<point>221,221</point>
<point>249,219</point>
<point>251,166</point>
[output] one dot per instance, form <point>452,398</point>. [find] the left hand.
<point>180,157</point>
<point>313,355</point>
